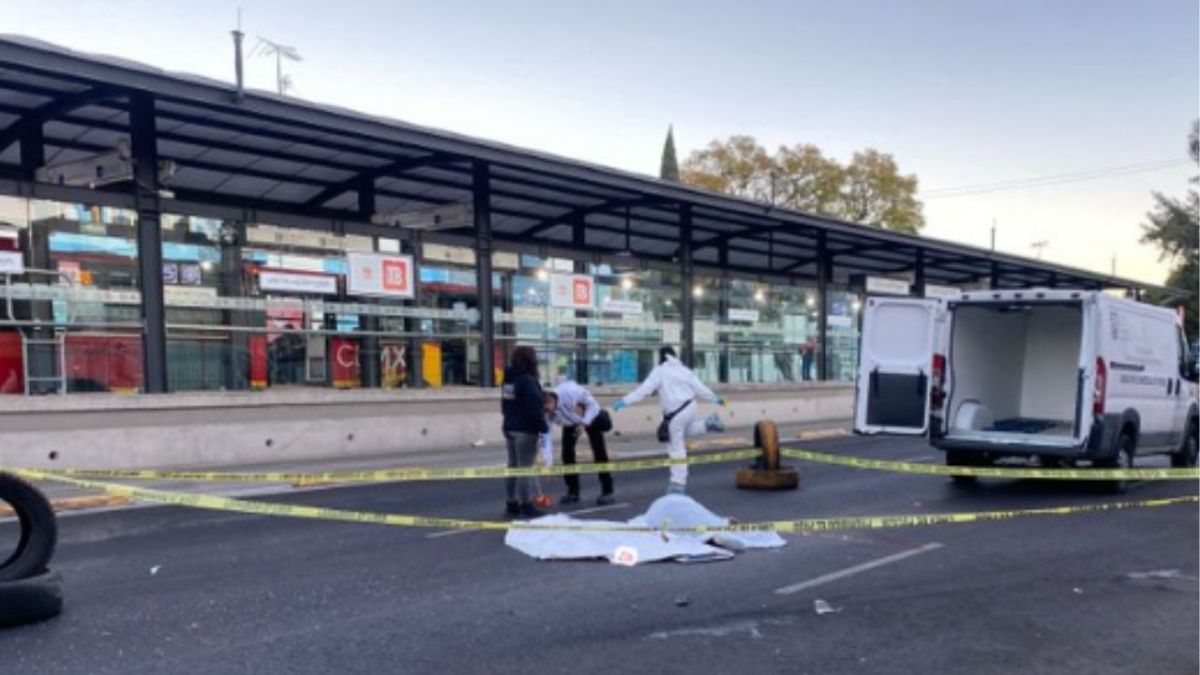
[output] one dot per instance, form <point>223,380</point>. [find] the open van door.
<point>894,379</point>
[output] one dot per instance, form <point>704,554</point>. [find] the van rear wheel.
<point>1123,459</point>
<point>1186,456</point>
<point>961,458</point>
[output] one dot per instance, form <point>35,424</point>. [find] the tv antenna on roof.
<point>1040,246</point>
<point>280,52</point>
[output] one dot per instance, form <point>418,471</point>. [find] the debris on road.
<point>154,570</point>
<point>821,608</point>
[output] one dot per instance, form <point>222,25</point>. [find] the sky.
<point>960,93</point>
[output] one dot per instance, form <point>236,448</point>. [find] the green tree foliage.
<point>1174,228</point>
<point>870,189</point>
<point>670,163</point>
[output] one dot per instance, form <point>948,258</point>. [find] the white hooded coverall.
<point>675,385</point>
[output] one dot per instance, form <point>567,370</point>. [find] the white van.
<point>1055,374</point>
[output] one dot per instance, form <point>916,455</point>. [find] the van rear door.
<point>892,393</point>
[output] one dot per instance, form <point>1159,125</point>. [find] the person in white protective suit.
<point>677,388</point>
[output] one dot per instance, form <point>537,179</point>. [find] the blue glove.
<point>619,405</point>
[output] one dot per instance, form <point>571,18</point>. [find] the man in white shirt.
<point>575,409</point>
<point>677,388</point>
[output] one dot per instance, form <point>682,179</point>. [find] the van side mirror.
<point>1191,372</point>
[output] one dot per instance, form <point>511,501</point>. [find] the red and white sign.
<point>572,291</point>
<point>375,274</point>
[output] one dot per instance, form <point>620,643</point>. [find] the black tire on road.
<point>36,598</point>
<point>39,531</point>
<point>1185,457</point>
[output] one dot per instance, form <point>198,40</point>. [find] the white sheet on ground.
<point>668,511</point>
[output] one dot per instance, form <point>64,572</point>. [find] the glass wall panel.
<point>603,324</point>
<point>71,305</point>
<point>842,360</point>
<point>754,332</point>
<point>253,306</point>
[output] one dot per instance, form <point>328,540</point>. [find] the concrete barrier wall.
<point>220,429</point>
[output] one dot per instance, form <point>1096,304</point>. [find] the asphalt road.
<point>168,590</point>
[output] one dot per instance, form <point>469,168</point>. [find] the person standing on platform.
<point>574,408</point>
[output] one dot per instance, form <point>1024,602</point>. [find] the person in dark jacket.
<point>524,421</point>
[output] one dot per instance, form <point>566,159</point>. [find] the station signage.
<point>292,282</point>
<point>11,262</point>
<point>380,275</point>
<point>943,292</point>
<point>572,291</point>
<point>628,307</point>
<point>743,315</point>
<point>886,286</point>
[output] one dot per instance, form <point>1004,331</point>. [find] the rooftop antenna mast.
<point>280,52</point>
<point>1040,245</point>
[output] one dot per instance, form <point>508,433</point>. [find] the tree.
<point>870,189</point>
<point>876,194</point>
<point>739,166</point>
<point>670,163</point>
<point>808,181</point>
<point>1175,228</point>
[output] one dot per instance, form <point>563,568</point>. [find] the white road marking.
<point>857,569</point>
<point>918,458</point>
<point>594,509</point>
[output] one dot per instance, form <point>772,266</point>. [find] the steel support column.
<point>481,198</point>
<point>918,288</point>
<point>824,273</point>
<point>33,150</point>
<point>370,353</point>
<point>686,282</point>
<point>144,148</point>
<point>230,283</point>
<point>416,359</point>
<point>582,355</point>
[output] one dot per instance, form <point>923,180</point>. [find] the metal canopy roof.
<point>280,157</point>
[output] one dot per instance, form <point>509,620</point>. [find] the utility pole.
<point>1114,264</point>
<point>993,235</point>
<point>237,59</point>
<point>1040,246</point>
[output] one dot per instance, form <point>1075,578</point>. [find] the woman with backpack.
<point>677,388</point>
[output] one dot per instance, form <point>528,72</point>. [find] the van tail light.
<point>938,395</point>
<point>1099,391</point>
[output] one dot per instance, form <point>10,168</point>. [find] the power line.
<point>1056,179</point>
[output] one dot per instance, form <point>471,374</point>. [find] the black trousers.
<point>599,452</point>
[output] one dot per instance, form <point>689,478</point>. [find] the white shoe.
<point>713,423</point>
<point>674,488</point>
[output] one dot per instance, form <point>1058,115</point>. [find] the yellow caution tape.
<point>395,475</point>
<point>215,503</point>
<point>992,471</point>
